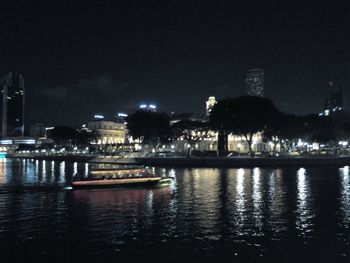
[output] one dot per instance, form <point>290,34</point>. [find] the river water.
<point>204,215</point>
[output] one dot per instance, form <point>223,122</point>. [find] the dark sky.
<point>82,57</point>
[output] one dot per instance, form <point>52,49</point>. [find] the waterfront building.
<point>236,143</point>
<point>108,131</point>
<point>255,82</point>
<point>11,144</point>
<point>210,103</point>
<point>12,90</point>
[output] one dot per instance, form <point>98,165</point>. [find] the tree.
<point>276,130</point>
<point>343,131</point>
<point>191,131</point>
<point>341,121</point>
<point>321,129</point>
<point>310,128</point>
<point>151,128</point>
<point>62,135</point>
<point>284,130</point>
<point>245,116</point>
<point>85,137</point>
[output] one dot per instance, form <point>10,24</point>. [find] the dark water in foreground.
<point>205,215</point>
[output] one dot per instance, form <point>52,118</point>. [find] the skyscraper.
<point>12,90</point>
<point>255,82</point>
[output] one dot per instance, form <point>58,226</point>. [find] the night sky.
<point>82,57</point>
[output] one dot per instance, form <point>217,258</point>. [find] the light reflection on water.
<point>63,171</point>
<point>75,167</point>
<point>304,204</point>
<point>240,201</point>
<point>226,213</point>
<point>276,204</point>
<point>257,202</point>
<point>86,174</point>
<point>28,172</point>
<point>345,194</point>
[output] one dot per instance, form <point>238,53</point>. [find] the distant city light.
<point>344,143</point>
<point>99,116</point>
<point>6,142</point>
<point>300,143</point>
<point>24,141</point>
<point>122,114</point>
<point>151,107</point>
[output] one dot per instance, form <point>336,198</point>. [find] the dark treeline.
<point>67,136</point>
<point>64,136</point>
<point>243,116</point>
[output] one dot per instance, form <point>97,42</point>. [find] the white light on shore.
<point>98,116</point>
<point>343,143</point>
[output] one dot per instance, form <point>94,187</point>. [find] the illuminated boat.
<point>119,171</point>
<point>123,176</point>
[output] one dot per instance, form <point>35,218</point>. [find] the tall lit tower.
<point>255,82</point>
<point>210,104</point>
<point>12,90</point>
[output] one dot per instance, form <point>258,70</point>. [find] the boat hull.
<point>134,182</point>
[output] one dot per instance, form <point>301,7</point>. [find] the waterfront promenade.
<point>246,162</point>
<point>280,161</point>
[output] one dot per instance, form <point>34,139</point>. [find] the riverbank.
<point>60,158</point>
<point>245,162</point>
<point>236,162</point>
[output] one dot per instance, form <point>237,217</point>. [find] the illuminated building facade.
<point>236,143</point>
<point>255,82</point>
<point>210,103</point>
<point>12,90</point>
<point>108,132</point>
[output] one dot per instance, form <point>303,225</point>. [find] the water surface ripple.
<point>204,215</point>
